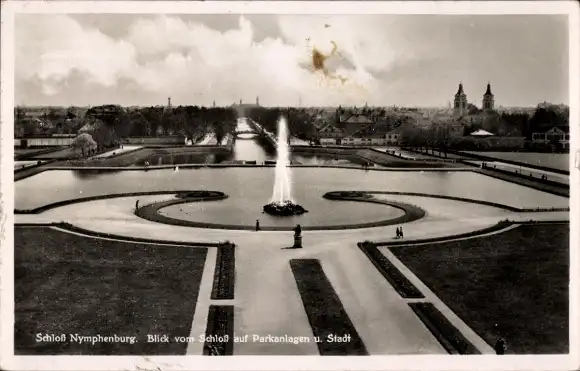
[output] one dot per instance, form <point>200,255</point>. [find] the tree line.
<point>300,120</point>
<point>107,124</point>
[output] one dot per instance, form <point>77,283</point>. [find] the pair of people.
<point>399,232</point>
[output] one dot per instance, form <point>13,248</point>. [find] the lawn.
<point>63,154</point>
<point>325,312</point>
<point>517,279</point>
<point>66,284</point>
<point>27,151</point>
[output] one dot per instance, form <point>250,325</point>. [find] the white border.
<point>413,362</point>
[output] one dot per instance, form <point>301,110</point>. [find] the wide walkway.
<point>267,301</point>
<point>556,177</point>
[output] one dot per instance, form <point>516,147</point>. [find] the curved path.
<point>381,316</point>
<point>152,213</point>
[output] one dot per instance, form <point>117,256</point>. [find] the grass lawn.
<point>62,154</point>
<point>517,279</point>
<point>66,284</point>
<point>324,310</point>
<point>141,155</point>
<point>27,151</point>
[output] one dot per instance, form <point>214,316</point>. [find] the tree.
<point>140,127</point>
<point>52,115</point>
<point>85,143</point>
<point>413,137</point>
<point>547,116</point>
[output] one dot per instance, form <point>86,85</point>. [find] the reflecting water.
<point>183,158</point>
<point>254,185</point>
<point>245,211</point>
<point>249,150</point>
<point>246,148</point>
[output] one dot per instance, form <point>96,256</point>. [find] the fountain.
<point>281,203</point>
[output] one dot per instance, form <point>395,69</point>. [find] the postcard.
<point>391,184</point>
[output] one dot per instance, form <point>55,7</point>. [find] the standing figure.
<point>500,346</point>
<point>297,230</point>
<point>298,237</point>
<point>398,233</point>
<point>257,225</point>
<point>401,232</point>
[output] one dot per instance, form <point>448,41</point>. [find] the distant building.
<point>488,99</point>
<point>329,131</point>
<point>45,141</point>
<point>242,107</point>
<point>36,112</point>
<point>481,133</point>
<point>356,130</point>
<point>557,134</point>
<point>356,123</point>
<point>460,102</point>
<point>89,128</point>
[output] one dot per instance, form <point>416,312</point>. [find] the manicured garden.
<point>326,315</point>
<point>67,284</point>
<point>512,284</point>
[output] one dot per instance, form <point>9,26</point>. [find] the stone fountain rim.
<point>151,212</point>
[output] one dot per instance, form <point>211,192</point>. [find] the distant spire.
<point>488,91</point>
<point>460,90</point>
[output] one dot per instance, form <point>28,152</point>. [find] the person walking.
<point>398,233</point>
<point>257,225</point>
<point>401,232</point>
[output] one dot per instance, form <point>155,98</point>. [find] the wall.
<point>44,142</point>
<point>506,142</point>
<point>327,141</point>
<point>370,141</point>
<point>155,140</point>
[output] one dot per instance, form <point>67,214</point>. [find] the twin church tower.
<point>460,103</point>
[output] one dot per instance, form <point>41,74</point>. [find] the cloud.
<point>50,48</point>
<point>143,59</point>
<point>184,59</point>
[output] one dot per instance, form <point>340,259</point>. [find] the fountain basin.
<point>285,208</point>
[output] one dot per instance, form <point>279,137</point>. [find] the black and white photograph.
<point>192,179</point>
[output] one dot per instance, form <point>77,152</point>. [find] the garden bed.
<point>518,279</point>
<point>70,284</point>
<point>324,310</point>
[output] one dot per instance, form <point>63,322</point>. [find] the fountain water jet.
<point>281,203</point>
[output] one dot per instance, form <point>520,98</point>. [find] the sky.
<point>315,60</point>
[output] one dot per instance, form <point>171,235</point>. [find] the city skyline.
<point>380,60</point>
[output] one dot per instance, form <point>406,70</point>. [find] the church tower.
<point>488,100</point>
<point>460,102</point>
